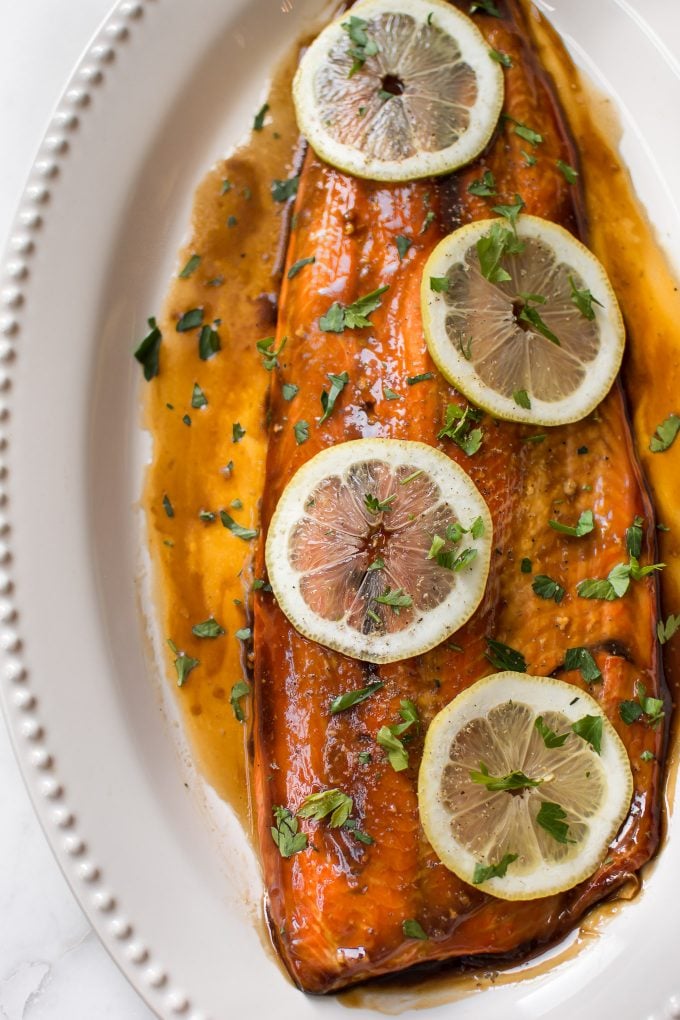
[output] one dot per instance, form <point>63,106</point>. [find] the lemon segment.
<point>379,548</point>
<point>482,337</point>
<point>471,826</point>
<point>395,90</point>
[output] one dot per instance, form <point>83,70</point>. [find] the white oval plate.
<point>166,877</point>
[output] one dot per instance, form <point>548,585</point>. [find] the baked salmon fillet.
<point>337,908</point>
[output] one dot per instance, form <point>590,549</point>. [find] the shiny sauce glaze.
<point>203,570</point>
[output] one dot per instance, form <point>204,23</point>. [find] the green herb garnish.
<point>351,698</point>
<point>210,628</point>
<point>300,264</point>
<point>581,659</point>
<point>283,190</point>
<point>546,588</point>
<point>237,529</point>
<point>285,832</point>
<point>483,872</point>
<point>665,434</point>
<point>239,691</point>
<point>355,316</point>
<point>504,657</point>
<point>147,353</point>
<point>583,526</point>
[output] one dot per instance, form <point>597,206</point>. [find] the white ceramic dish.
<point>163,872</point>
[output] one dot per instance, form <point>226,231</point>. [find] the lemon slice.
<point>544,344</point>
<point>379,548</point>
<point>398,89</point>
<point>531,840</point>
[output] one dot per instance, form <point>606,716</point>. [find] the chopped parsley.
<point>388,736</point>
<point>243,634</point>
<point>485,186</point>
<point>338,383</point>
<point>665,434</point>
<point>413,379</point>
<point>362,46</point>
<point>581,659</point>
<point>301,430</point>
<point>494,246</point>
<point>351,698</point>
<point>377,506</point>
<point>396,600</point>
<point>583,300</point>
<point>550,737</point>
<point>546,588</point>
<point>413,930</point>
<point>237,432</point>
<point>501,58</point>
<point>390,394</point>
<point>634,537</point>
<point>267,348</point>
<point>191,266</point>
<point>504,657</point>
<point>208,341</point>
<point>237,529</point>
<point>483,872</point>
<point>439,284</point>
<point>525,132</point>
<point>583,526</point>
<point>486,7</point>
<point>521,398</point>
<point>403,244</point>
<point>526,565</point>
<point>510,212</point>
<point>650,708</point>
<point>239,691</point>
<point>300,264</point>
<point>190,320</point>
<point>570,174</point>
<point>183,663</point>
<point>665,631</point>
<point>355,316</point>
<point>168,507</point>
<point>458,427</point>
<point>210,628</point>
<point>148,350</point>
<point>589,728</point>
<point>289,390</point>
<point>512,781</point>
<point>285,832</point>
<point>198,397</point>
<point>284,190</point>
<point>617,582</point>
<point>529,313</point>
<point>332,804</point>
<point>551,818</point>
<point>258,121</point>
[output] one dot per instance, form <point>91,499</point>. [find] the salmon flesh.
<point>337,908</point>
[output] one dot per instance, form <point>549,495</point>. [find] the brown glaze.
<point>337,909</point>
<point>199,574</point>
<point>206,570</point>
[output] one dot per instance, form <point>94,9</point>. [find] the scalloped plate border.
<point>129,950</point>
<point>137,960</point>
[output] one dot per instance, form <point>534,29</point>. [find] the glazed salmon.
<point>337,908</point>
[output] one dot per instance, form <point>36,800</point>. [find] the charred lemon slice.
<point>523,320</point>
<point>398,89</point>
<point>523,785</point>
<point>379,548</point>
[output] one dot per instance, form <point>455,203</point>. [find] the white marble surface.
<point>52,965</point>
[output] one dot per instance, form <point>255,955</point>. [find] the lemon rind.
<point>549,694</point>
<point>428,629</point>
<point>459,372</point>
<point>463,151</point>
